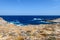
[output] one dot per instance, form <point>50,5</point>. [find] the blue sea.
<point>25,20</point>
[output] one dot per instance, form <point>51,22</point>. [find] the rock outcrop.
<point>55,20</point>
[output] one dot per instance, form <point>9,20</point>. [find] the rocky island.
<point>29,32</point>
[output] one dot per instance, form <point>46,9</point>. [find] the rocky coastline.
<point>30,32</point>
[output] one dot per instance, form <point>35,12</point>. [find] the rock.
<point>3,22</point>
<point>54,20</point>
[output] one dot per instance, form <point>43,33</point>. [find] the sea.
<point>29,20</point>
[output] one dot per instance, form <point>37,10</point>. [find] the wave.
<point>14,22</point>
<point>40,20</point>
<point>33,21</point>
<point>37,19</point>
<point>18,23</point>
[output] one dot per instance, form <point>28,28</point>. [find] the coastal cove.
<point>10,31</point>
<point>30,20</point>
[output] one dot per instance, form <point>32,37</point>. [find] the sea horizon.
<point>25,20</point>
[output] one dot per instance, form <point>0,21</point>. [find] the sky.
<point>29,7</point>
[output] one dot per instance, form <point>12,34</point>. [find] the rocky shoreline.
<point>30,32</point>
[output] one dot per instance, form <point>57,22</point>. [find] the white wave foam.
<point>44,22</point>
<point>14,21</point>
<point>19,25</point>
<point>11,23</point>
<point>37,19</point>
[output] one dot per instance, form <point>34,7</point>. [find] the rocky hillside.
<point>30,32</point>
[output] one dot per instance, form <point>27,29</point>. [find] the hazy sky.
<point>29,7</point>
